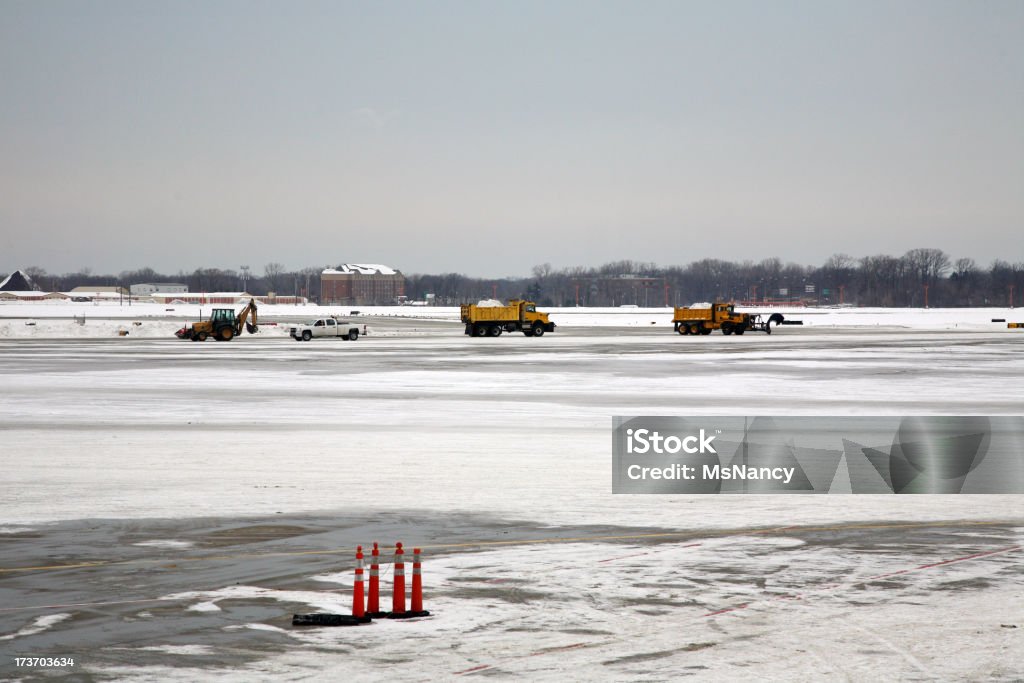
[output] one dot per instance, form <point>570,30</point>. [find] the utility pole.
<point>926,296</point>
<point>245,279</point>
<point>1011,295</point>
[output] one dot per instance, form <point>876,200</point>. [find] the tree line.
<point>917,278</point>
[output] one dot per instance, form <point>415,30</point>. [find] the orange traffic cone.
<point>416,608</point>
<point>358,598</point>
<point>398,598</point>
<point>373,600</point>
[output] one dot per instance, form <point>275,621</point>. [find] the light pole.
<point>245,279</point>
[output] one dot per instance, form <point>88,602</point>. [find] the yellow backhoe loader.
<point>223,325</point>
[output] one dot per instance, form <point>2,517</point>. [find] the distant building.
<point>361,284</point>
<point>93,293</point>
<point>147,288</point>
<point>232,298</point>
<point>17,282</point>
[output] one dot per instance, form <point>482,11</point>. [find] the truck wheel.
<point>681,329</point>
<point>201,336</point>
<point>726,329</point>
<point>480,330</point>
<point>306,335</point>
<point>705,330</point>
<point>538,329</point>
<point>740,330</point>
<point>527,331</point>
<point>495,331</point>
<point>353,335</point>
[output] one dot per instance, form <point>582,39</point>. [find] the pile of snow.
<point>490,303</point>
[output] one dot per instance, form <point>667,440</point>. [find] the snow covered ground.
<point>53,319</point>
<point>510,435</point>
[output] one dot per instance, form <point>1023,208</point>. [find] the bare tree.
<point>273,276</point>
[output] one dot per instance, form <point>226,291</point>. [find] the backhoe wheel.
<point>538,329</point>
<point>225,334</point>
<point>201,336</point>
<point>353,335</point>
<point>306,335</point>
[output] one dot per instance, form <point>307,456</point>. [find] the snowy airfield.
<point>168,505</point>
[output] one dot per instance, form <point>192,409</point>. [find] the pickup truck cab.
<point>324,327</point>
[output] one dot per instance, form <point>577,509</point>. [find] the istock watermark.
<point>913,454</point>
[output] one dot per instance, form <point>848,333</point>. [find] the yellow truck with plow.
<point>518,316</point>
<point>720,316</point>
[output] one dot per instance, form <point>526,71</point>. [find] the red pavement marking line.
<point>931,565</point>
<point>623,557</point>
<point>945,562</point>
<point>728,609</point>
<point>469,671</point>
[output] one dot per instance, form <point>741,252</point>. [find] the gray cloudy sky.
<point>486,137</point>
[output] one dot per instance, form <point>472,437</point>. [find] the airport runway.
<point>169,505</point>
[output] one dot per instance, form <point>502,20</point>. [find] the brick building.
<point>361,284</point>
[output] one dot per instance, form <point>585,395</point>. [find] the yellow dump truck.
<point>720,316</point>
<point>518,316</point>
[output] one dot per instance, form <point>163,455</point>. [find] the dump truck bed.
<point>471,313</point>
<point>692,314</point>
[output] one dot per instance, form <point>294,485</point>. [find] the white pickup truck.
<point>324,327</point>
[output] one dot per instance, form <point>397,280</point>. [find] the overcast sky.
<point>487,137</point>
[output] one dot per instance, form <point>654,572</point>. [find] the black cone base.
<point>408,615</point>
<point>328,620</point>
